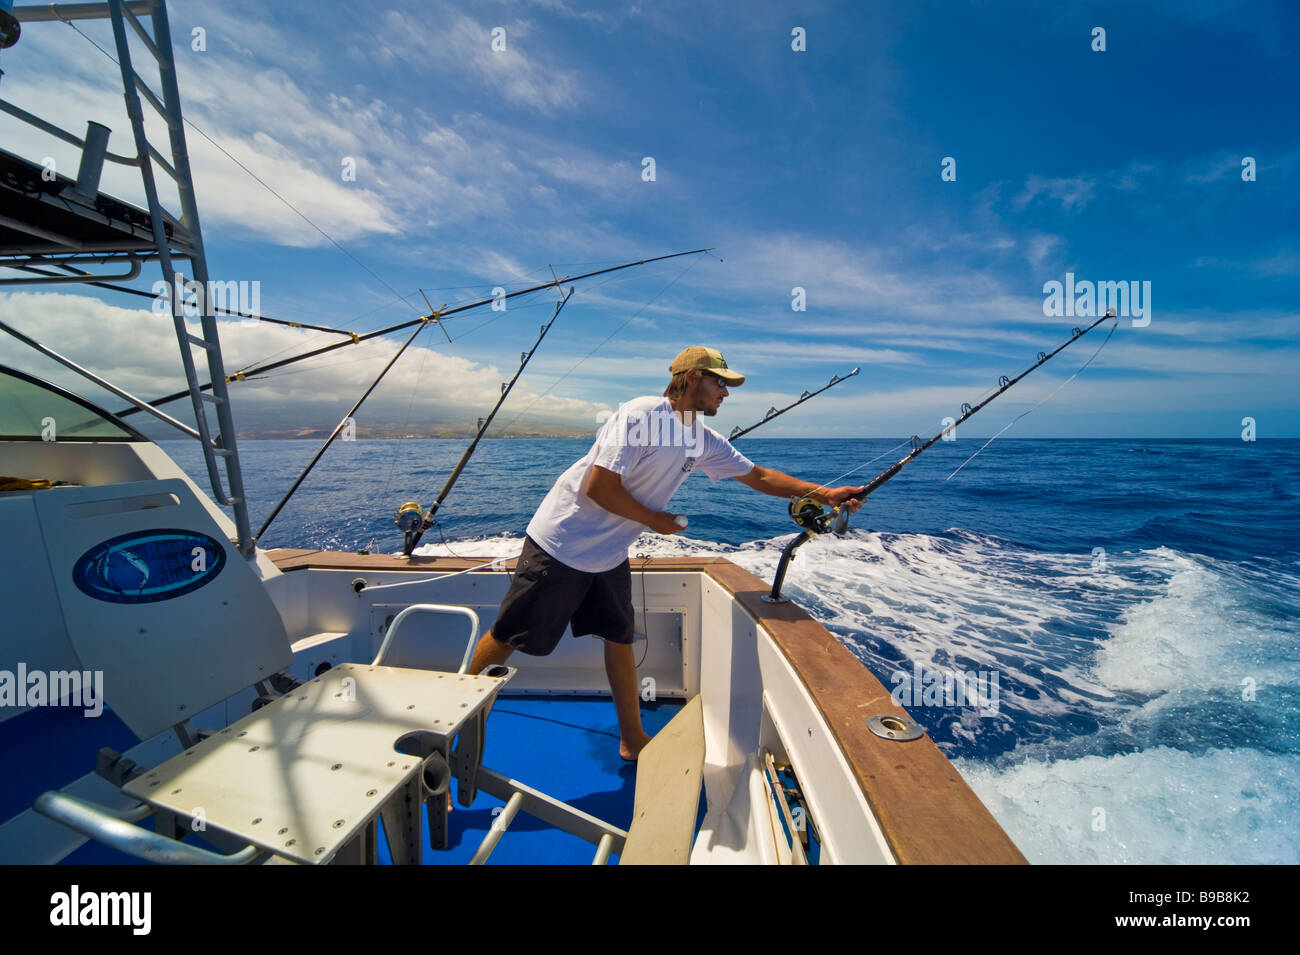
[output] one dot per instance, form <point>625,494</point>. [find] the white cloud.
<point>522,74</point>
<point>1073,193</point>
<point>1039,246</point>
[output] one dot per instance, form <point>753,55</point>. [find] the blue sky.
<point>818,169</point>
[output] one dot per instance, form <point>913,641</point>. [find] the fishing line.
<point>601,345</point>
<point>836,480</point>
<point>190,123</point>
<point>1041,403</point>
<point>438,524</point>
<point>539,302</point>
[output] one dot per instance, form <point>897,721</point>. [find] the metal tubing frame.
<point>500,823</point>
<point>36,13</point>
<point>47,127</point>
<point>391,635</point>
<point>553,811</point>
<point>116,830</point>
<point>103,383</point>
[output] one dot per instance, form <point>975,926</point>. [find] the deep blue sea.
<point>1137,600</point>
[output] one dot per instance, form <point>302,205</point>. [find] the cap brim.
<point>727,375</point>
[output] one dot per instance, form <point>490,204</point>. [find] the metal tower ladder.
<point>172,239</point>
<point>169,108</point>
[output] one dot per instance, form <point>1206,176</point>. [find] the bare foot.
<point>631,752</point>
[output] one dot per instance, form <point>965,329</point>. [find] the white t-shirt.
<point>646,444</point>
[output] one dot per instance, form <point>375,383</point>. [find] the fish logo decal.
<point>149,566</point>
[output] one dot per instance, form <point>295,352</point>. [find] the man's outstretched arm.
<point>770,481</point>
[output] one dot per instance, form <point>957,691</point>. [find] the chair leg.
<point>401,815</point>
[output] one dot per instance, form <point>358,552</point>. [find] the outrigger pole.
<point>142,294</point>
<point>738,432</point>
<point>409,513</point>
<point>810,515</point>
<point>355,339</point>
<point>337,428</point>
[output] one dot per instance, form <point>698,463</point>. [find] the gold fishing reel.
<point>410,521</point>
<point>409,517</point>
<point>808,513</point>
<point>811,515</point>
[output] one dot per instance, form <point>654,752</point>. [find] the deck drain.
<point>895,727</point>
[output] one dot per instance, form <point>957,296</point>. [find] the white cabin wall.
<point>33,632</point>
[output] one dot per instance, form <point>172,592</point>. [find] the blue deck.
<point>567,747</point>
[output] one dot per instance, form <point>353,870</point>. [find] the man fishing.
<point>574,567</point>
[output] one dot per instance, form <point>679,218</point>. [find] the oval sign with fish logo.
<point>149,566</point>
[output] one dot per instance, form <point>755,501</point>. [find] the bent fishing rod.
<point>810,515</point>
<point>411,518</point>
<point>437,315</point>
<point>772,412</point>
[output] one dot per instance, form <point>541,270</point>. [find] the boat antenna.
<point>411,518</point>
<point>346,420</point>
<point>354,339</point>
<point>773,412</point>
<point>810,515</point>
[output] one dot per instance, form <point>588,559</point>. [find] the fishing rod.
<point>337,428</point>
<point>216,308</point>
<point>772,412</point>
<point>436,316</point>
<point>411,518</point>
<point>810,515</point>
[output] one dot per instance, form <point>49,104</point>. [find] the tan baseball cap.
<point>706,359</point>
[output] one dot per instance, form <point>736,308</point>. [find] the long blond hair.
<point>678,386</point>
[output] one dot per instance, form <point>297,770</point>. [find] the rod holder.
<point>782,566</point>
<point>92,161</point>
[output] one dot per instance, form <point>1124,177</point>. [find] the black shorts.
<point>546,596</point>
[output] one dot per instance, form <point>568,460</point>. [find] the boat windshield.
<point>34,410</point>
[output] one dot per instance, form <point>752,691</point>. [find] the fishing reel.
<point>410,518</point>
<point>810,514</point>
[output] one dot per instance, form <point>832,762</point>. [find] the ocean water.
<point>1135,604</point>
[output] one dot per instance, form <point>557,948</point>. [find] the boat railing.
<point>391,636</point>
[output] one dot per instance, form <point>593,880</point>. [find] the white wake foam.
<point>1160,806</point>
<point>1114,663</point>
